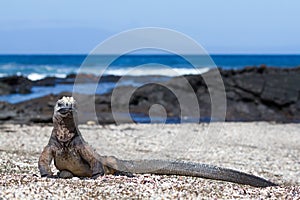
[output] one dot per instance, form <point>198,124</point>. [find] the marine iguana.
<point>75,157</point>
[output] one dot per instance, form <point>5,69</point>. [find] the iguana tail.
<point>191,169</point>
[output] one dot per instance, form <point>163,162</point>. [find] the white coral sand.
<point>268,150</point>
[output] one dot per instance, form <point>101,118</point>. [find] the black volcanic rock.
<point>252,94</point>
<point>15,84</point>
<point>281,88</point>
<point>5,89</point>
<point>48,81</point>
<point>144,97</point>
<point>250,82</point>
<point>268,94</point>
<point>7,111</point>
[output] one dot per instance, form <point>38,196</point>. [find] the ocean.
<point>36,67</point>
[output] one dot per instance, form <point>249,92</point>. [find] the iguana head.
<point>65,119</point>
<point>64,106</point>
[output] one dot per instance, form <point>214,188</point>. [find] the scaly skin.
<point>74,157</point>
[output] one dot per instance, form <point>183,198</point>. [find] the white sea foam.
<point>154,71</point>
<point>37,72</point>
<point>60,75</point>
<point>2,75</point>
<point>35,76</point>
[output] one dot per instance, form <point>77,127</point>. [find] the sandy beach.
<point>267,150</point>
<point>201,89</point>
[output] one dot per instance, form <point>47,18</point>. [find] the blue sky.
<point>68,26</point>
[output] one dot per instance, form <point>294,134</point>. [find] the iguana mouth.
<point>66,110</point>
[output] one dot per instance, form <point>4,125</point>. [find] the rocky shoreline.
<point>252,94</point>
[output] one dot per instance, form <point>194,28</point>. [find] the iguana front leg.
<point>44,162</point>
<point>91,157</point>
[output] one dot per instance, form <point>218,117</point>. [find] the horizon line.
<point>150,54</point>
